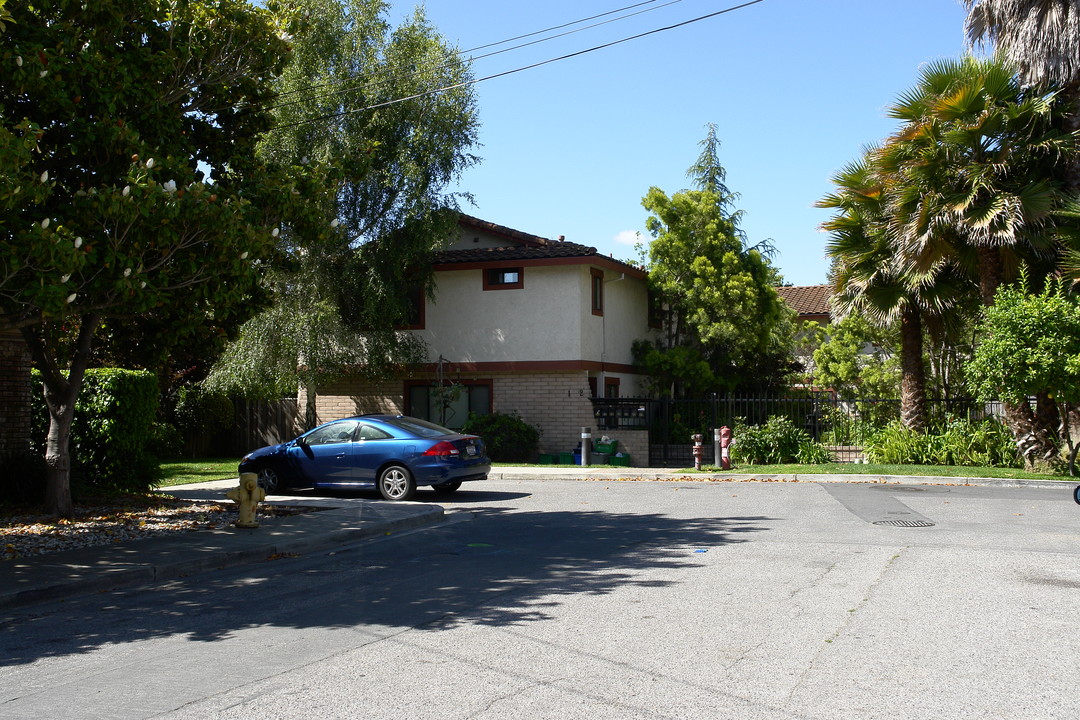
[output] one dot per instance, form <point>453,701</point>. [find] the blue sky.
<point>797,88</point>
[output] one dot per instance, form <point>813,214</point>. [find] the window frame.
<point>417,298</point>
<point>596,291</point>
<point>490,285</point>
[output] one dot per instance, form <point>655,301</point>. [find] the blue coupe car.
<point>394,453</point>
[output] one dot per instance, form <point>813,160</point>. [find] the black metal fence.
<point>840,425</point>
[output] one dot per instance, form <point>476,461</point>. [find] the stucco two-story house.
<point>519,324</point>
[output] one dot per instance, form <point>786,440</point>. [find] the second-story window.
<point>504,278</point>
<point>597,291</point>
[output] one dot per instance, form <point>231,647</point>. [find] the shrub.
<point>508,438</point>
<point>959,442</point>
<point>202,411</point>
<point>200,416</point>
<point>111,434</point>
<point>166,440</point>
<point>813,453</point>
<point>776,442</point>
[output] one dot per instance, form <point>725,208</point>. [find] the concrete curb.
<point>659,475</point>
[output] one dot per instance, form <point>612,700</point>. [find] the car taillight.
<point>443,449</point>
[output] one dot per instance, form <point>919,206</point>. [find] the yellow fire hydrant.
<point>247,496</point>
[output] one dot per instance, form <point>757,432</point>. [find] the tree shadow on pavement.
<point>500,568</point>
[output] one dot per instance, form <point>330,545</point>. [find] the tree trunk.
<point>1048,417</point>
<point>1037,450</point>
<point>913,371</point>
<point>58,452</point>
<point>60,396</point>
<point>990,273</point>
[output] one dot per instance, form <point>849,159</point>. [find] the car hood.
<point>268,451</point>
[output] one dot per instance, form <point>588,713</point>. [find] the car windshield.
<point>421,428</point>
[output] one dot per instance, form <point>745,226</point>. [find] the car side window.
<point>370,432</point>
<point>337,433</point>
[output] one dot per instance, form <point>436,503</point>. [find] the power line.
<point>488,45</point>
<point>474,81</point>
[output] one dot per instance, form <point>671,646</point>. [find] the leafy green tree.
<point>1030,344</point>
<point>856,361</point>
<point>145,194</point>
<point>369,100</point>
<point>718,294</point>
<point>667,370</point>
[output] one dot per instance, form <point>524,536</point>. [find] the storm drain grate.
<point>905,523</point>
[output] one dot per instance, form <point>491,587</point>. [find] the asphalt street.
<point>601,599</point>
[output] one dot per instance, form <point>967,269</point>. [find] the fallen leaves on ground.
<point>116,521</point>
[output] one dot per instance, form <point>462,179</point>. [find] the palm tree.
<point>1041,38</point>
<point>978,165</point>
<point>870,277</point>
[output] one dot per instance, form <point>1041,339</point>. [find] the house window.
<point>414,309</point>
<point>611,387</point>
<point>448,405</point>
<point>504,278</point>
<point>656,311</point>
<point>597,291</point>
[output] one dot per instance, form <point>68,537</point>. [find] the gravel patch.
<point>23,536</point>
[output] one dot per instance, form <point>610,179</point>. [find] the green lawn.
<point>182,472</point>
<point>916,470</point>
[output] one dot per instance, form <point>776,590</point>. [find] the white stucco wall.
<point>549,319</point>
<point>538,322</point>
<point>610,338</point>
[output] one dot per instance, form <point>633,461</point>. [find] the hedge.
<point>111,445</point>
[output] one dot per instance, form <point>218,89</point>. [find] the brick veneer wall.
<point>14,394</point>
<point>356,397</point>
<point>557,403</point>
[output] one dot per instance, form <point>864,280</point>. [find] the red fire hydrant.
<point>698,450</point>
<point>725,444</point>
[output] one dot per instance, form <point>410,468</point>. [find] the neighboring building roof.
<point>807,300</point>
<point>525,247</point>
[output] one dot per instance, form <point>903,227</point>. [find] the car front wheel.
<point>396,483</point>
<point>270,480</point>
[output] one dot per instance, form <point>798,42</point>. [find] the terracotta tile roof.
<point>549,249</point>
<point>522,246</point>
<point>807,299</point>
<point>501,230</point>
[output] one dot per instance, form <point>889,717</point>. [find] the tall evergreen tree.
<point>719,294</point>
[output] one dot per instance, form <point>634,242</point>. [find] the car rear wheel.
<point>446,488</point>
<point>396,483</point>
<point>1076,494</point>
